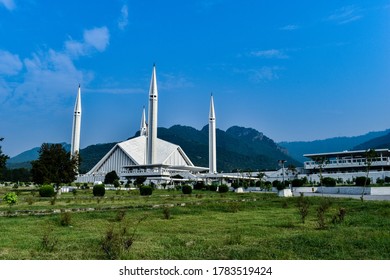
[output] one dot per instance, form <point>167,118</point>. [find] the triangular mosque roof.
<point>135,149</point>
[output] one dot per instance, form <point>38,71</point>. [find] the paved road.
<point>354,196</point>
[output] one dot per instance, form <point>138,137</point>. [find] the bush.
<point>328,182</point>
<point>11,198</point>
<point>213,188</point>
<point>223,189</point>
<point>199,185</point>
<point>99,190</point>
<point>145,190</point>
<point>111,177</point>
<point>167,213</point>
<point>297,183</point>
<point>46,191</point>
<point>65,219</point>
<point>278,185</point>
<point>186,189</point>
<point>360,181</point>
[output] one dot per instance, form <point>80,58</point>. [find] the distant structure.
<point>152,119</point>
<point>76,128</point>
<point>146,155</point>
<point>143,131</point>
<point>347,165</point>
<point>212,139</point>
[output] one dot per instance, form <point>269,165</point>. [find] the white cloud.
<point>124,18</point>
<point>10,64</point>
<point>265,73</point>
<point>8,4</point>
<point>113,90</point>
<point>93,39</point>
<point>171,81</point>
<point>257,75</point>
<point>4,90</point>
<point>289,27</point>
<point>273,53</point>
<point>97,37</point>
<point>50,76</point>
<point>345,15</point>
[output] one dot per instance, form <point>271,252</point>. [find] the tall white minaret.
<point>212,139</point>
<point>143,128</point>
<point>75,145</point>
<point>152,119</point>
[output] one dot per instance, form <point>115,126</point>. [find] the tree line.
<point>54,165</point>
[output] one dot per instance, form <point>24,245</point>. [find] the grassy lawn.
<point>204,225</point>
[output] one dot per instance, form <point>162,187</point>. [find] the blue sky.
<point>294,70</point>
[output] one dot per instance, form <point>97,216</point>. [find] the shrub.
<point>303,207</point>
<point>186,189</point>
<point>199,185</point>
<point>99,190</point>
<point>297,183</point>
<point>267,186</point>
<point>145,190</point>
<point>120,215</point>
<point>117,242</point>
<point>223,188</point>
<point>11,198</point>
<point>46,191</point>
<point>328,182</point>
<point>65,219</point>
<point>321,211</point>
<point>167,213</point>
<point>360,181</point>
<point>116,184</point>
<point>278,185</point>
<point>213,188</point>
<point>339,216</point>
<point>110,177</point>
<point>49,240</point>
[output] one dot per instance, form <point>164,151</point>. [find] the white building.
<point>146,155</point>
<point>347,165</point>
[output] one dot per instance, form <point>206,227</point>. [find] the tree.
<point>370,156</point>
<point>54,165</point>
<point>3,160</point>
<point>321,162</point>
<point>110,177</point>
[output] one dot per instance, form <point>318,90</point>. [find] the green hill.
<point>382,142</point>
<point>299,148</point>
<point>237,148</point>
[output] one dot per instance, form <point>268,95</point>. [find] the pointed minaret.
<point>143,129</point>
<point>75,145</point>
<point>212,139</point>
<point>152,119</point>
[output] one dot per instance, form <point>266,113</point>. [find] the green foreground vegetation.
<point>204,225</point>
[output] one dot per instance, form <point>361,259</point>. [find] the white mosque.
<point>163,162</point>
<point>147,155</point>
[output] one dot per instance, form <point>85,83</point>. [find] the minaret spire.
<point>212,139</point>
<point>143,129</point>
<point>76,128</point>
<point>152,119</point>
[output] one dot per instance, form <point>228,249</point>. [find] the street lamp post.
<point>282,162</point>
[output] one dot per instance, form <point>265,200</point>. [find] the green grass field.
<point>204,225</point>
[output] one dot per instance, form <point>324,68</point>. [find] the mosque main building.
<point>147,155</point>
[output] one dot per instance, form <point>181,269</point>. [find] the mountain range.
<point>371,140</point>
<point>238,148</point>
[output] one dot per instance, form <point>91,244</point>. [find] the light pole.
<point>282,162</point>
